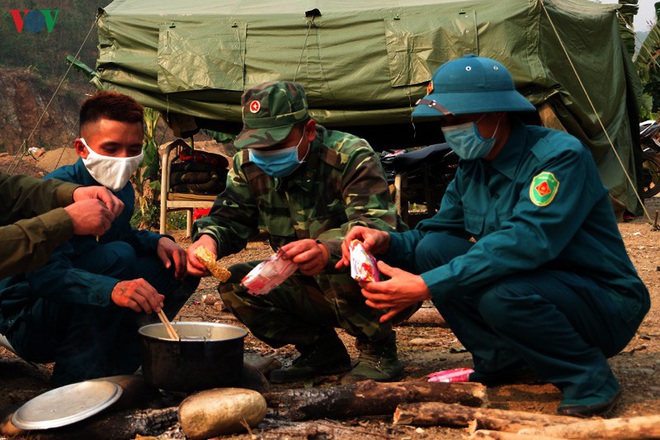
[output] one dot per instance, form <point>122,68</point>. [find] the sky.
<point>645,14</point>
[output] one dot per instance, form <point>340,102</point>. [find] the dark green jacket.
<point>32,221</point>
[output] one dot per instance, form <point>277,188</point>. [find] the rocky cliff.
<point>25,111</point>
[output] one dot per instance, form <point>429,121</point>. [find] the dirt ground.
<point>423,349</point>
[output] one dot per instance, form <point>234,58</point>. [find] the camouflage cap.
<point>270,110</point>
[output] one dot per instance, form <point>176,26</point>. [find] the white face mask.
<point>111,172</point>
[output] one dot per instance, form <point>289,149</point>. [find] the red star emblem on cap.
<point>255,106</point>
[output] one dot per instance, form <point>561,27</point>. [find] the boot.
<point>378,361</point>
<point>598,403</point>
<point>325,356</point>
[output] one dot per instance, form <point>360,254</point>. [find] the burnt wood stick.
<point>369,398</point>
<point>114,426</point>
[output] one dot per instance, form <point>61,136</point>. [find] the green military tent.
<point>364,64</point>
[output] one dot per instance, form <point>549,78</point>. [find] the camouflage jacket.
<point>31,226</point>
<point>341,184</point>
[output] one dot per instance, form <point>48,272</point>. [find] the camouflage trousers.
<point>303,307</point>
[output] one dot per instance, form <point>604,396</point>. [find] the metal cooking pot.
<point>208,355</point>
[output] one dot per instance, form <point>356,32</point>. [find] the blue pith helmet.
<point>471,84</point>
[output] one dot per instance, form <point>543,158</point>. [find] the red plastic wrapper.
<point>363,264</point>
<point>269,274</point>
<point>455,375</point>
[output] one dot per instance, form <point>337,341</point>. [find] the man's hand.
<point>401,291</point>
<point>90,217</point>
<point>310,256</point>
<point>374,241</point>
<point>138,295</point>
<point>196,267</point>
<point>171,253</point>
<point>101,193</point>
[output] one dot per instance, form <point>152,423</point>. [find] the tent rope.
<point>20,152</point>
<point>593,108</point>
<point>310,23</point>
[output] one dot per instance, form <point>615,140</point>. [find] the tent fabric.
<point>365,64</point>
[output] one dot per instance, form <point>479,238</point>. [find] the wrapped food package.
<point>455,375</point>
<point>269,274</point>
<point>363,264</point>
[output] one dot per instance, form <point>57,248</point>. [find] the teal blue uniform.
<point>62,312</point>
<point>546,282</point>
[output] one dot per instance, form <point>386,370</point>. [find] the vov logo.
<point>35,20</point>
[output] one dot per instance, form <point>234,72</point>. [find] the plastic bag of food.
<point>363,264</point>
<point>269,274</point>
<point>455,375</point>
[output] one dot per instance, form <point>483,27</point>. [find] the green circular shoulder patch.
<point>543,188</point>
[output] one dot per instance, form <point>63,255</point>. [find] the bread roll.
<point>205,256</point>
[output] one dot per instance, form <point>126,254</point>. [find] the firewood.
<point>436,413</point>
<point>641,427</point>
<point>7,428</point>
<point>121,420</point>
<point>320,429</point>
<point>484,434</point>
<point>369,398</point>
<point>115,426</point>
<point>135,392</point>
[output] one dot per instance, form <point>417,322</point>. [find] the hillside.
<point>40,34</point>
<point>24,98</point>
<point>34,42</point>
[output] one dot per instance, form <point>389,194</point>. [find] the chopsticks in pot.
<point>170,330</point>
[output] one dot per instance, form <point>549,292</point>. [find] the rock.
<point>221,411</point>
<point>209,300</point>
<point>219,306</point>
<point>252,378</point>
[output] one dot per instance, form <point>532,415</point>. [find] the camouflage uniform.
<point>340,184</point>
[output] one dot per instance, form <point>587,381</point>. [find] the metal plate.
<point>65,405</point>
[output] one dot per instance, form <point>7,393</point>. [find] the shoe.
<point>378,361</point>
<point>592,407</point>
<point>325,356</point>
